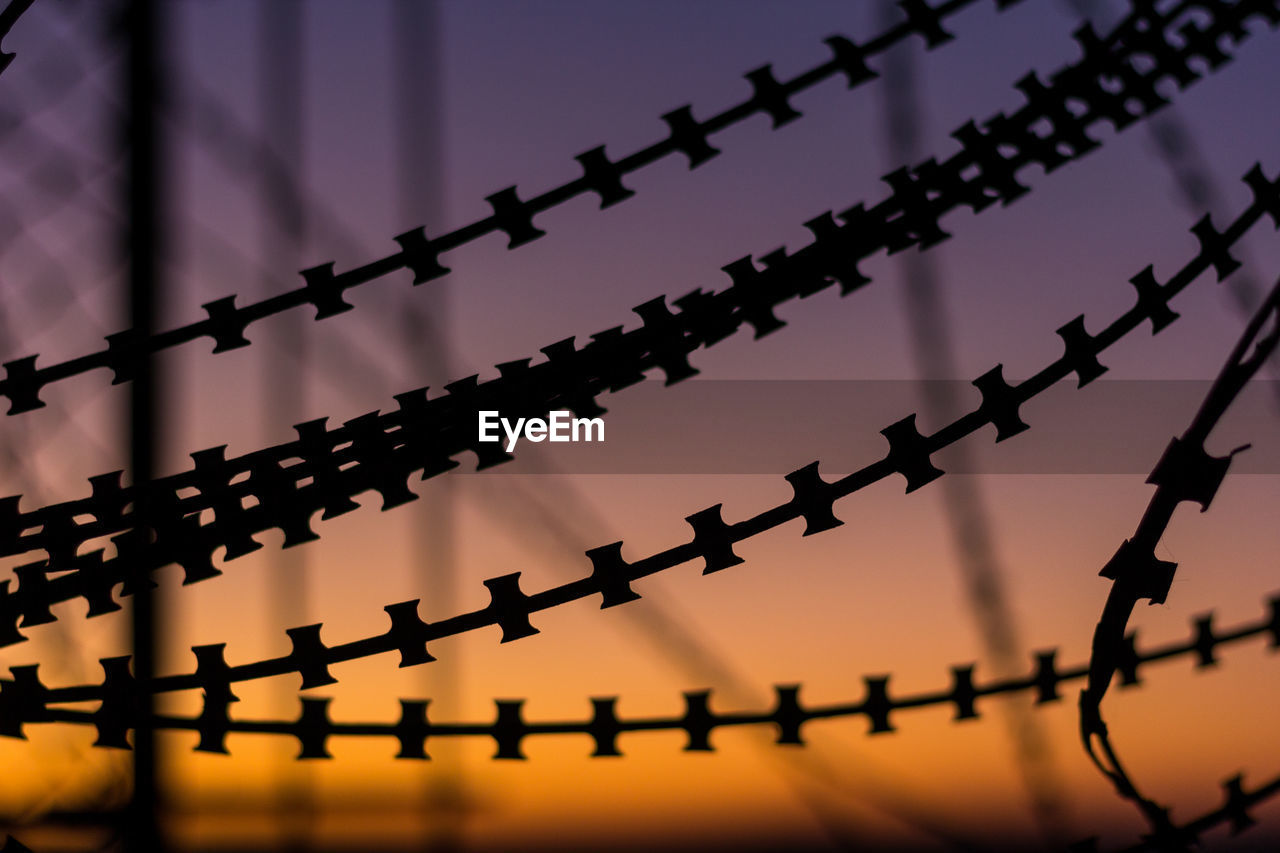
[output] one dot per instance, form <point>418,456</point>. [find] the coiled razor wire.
<point>813,501</point>
<point>380,451</point>
<point>1186,472</point>
<point>226,324</point>
<point>1233,812</point>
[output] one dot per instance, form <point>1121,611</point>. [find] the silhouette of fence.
<point>383,463</point>
<point>25,700</point>
<point>908,217</point>
<point>423,434</point>
<point>195,513</point>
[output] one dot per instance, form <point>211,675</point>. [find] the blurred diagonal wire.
<point>973,537</point>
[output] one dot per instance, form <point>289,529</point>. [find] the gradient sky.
<point>525,86</point>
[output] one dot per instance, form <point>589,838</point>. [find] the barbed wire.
<point>1238,801</point>
<point>611,576</point>
<point>283,486</point>
<point>226,324</point>
<point>1185,472</point>
<point>1235,811</point>
<point>1190,173</point>
<point>324,289</point>
<point>25,700</point>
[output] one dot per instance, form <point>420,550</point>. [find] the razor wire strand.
<point>24,700</point>
<point>612,574</point>
<point>1234,812</point>
<point>1186,472</point>
<point>218,130</point>
<point>313,729</point>
<point>813,498</point>
<point>379,451</point>
<point>695,659</point>
<point>225,323</point>
<point>512,216</point>
<point>1192,177</point>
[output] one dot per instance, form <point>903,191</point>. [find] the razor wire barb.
<point>813,500</point>
<point>225,323</point>
<point>25,700</point>
<point>325,468</point>
<point>1186,472</point>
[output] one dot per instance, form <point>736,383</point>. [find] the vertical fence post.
<point>144,246</point>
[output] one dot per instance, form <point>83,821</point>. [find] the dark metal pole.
<point>144,245</point>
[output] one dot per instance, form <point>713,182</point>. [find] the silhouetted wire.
<point>28,702</point>
<point>433,547</point>
<point>18,460</point>
<point>215,127</point>
<point>973,538</point>
<point>379,451</point>
<point>18,455</point>
<point>1180,152</point>
<point>1185,472</point>
<point>1234,812</point>
<point>210,124</point>
<point>612,574</point>
<point>557,510</point>
<point>813,500</point>
<point>511,216</point>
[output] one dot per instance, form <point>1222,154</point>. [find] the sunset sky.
<point>520,89</point>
